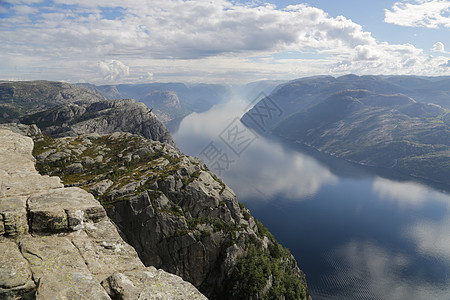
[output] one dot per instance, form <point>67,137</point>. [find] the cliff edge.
<point>178,215</point>
<point>58,243</point>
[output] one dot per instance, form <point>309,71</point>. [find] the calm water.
<point>356,233</point>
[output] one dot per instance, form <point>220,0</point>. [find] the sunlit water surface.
<point>357,233</point>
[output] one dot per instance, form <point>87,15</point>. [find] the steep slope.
<point>177,214</point>
<point>57,243</point>
<point>369,125</point>
<point>376,135</point>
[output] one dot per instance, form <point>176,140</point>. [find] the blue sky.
<point>117,41</point>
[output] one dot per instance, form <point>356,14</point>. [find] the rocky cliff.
<point>18,98</point>
<point>101,117</point>
<point>58,243</point>
<point>176,213</point>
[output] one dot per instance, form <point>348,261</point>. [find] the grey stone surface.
<point>74,246</point>
<point>74,168</point>
<point>100,187</point>
<point>15,273</point>
<point>103,117</point>
<point>150,283</point>
<point>55,209</point>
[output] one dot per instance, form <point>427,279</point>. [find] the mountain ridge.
<point>362,122</point>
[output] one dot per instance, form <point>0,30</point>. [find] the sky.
<point>220,41</point>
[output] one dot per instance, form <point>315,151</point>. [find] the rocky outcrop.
<point>18,98</point>
<point>177,214</point>
<point>101,117</point>
<point>58,243</point>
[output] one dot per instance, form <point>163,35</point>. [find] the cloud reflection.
<point>401,193</point>
<point>406,194</point>
<point>366,270</point>
<point>264,169</point>
<point>433,237</point>
<point>269,170</point>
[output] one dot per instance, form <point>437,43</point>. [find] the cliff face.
<point>58,243</point>
<point>177,214</point>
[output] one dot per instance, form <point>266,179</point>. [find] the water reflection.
<point>270,170</point>
<point>433,238</point>
<point>265,169</point>
<point>358,233</point>
<point>365,270</point>
<point>401,193</point>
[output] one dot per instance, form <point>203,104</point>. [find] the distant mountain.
<point>165,104</point>
<point>252,90</point>
<point>18,98</point>
<point>62,109</point>
<point>425,89</point>
<point>371,120</point>
<point>160,96</point>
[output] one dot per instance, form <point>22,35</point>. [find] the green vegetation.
<point>260,266</point>
<point>217,224</point>
<point>191,179</point>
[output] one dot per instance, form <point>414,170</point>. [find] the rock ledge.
<point>58,243</point>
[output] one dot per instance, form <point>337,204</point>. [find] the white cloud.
<point>438,47</point>
<point>185,35</point>
<point>365,52</point>
<point>25,9</point>
<point>419,13</point>
<point>113,70</point>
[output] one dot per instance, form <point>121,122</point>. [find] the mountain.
<point>166,105</point>
<point>62,109</point>
<point>171,101</point>
<point>175,213</point>
<point>100,117</point>
<point>253,90</point>
<point>18,98</point>
<point>58,243</point>
<point>370,120</point>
